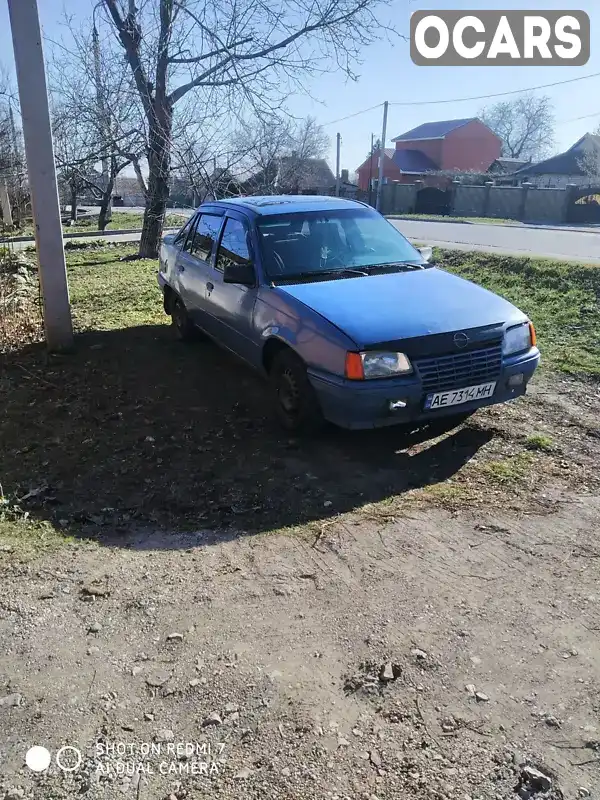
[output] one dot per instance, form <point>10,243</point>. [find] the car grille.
<point>442,373</point>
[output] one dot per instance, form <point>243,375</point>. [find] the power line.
<point>497,94</point>
<point>576,119</point>
<point>477,97</point>
<point>364,111</point>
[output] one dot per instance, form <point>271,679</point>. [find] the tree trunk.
<point>105,215</point>
<point>73,203</point>
<point>159,163</point>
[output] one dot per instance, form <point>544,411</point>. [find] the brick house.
<point>465,145</point>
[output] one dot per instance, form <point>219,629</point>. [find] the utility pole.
<point>371,169</point>
<point>381,155</point>
<point>337,164</point>
<point>37,134</point>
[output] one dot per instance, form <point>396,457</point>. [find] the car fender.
<point>319,343</point>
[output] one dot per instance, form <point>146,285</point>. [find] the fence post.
<point>525,187</point>
<point>418,186</point>
<point>486,198</point>
<point>455,185</point>
<point>394,198</point>
<point>569,192</point>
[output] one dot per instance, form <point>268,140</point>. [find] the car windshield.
<point>297,245</point>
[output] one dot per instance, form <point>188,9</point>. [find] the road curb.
<point>529,225</point>
<point>97,235</point>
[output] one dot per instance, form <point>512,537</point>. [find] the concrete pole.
<point>381,155</point>
<point>5,205</point>
<point>371,169</point>
<point>337,164</point>
<point>37,134</point>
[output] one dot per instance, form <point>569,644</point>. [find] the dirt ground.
<point>392,614</point>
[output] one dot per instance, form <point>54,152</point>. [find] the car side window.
<point>179,240</point>
<point>233,248</point>
<point>200,242</point>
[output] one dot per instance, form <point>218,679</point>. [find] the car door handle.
<point>210,286</point>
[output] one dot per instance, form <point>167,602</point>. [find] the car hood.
<point>401,305</point>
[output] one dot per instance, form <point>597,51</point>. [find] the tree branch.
<point>204,56</point>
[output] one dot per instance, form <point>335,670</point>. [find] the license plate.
<point>458,396</point>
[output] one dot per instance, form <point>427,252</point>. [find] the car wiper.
<point>395,265</point>
<point>320,273</point>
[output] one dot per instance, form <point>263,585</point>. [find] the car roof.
<point>284,203</point>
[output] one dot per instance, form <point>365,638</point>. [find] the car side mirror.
<point>239,273</point>
<point>169,238</point>
<point>426,253</point>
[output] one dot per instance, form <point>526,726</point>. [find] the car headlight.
<point>518,338</point>
<point>363,366</point>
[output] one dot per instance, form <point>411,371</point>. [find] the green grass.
<point>108,293</point>
<point>539,441</point>
<point>562,300</point>
<point>121,220</point>
<point>449,218</point>
<point>508,471</point>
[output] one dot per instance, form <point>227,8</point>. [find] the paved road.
<point>514,240</point>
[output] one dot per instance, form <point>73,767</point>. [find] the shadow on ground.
<point>137,430</point>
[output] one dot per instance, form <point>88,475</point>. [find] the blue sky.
<point>387,73</point>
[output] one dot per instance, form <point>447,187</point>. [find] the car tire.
<point>296,404</point>
<point>183,326</point>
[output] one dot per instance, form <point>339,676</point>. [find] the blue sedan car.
<point>349,321</point>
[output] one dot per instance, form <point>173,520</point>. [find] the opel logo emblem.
<point>461,340</point>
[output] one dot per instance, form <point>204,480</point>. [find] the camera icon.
<point>68,758</point>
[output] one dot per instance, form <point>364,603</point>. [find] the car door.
<point>230,305</point>
<point>170,248</point>
<point>194,264</point>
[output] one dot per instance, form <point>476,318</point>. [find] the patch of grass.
<point>121,220</point>
<point>448,218</point>
<point>108,293</point>
<point>450,494</point>
<point>509,470</point>
<point>28,539</point>
<point>562,299</point>
<point>539,441</point>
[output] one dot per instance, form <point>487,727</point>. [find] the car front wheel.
<point>296,404</point>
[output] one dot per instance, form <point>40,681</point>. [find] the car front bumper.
<point>366,404</point>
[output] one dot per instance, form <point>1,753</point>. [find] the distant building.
<point>292,175</point>
<point>458,145</point>
<point>506,166</point>
<point>565,168</point>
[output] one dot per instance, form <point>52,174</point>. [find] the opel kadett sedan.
<point>348,321</point>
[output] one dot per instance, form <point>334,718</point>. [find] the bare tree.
<point>590,158</point>
<point>12,157</point>
<point>208,158</point>
<point>248,51</point>
<point>525,126</point>
<point>90,85</point>
<point>266,141</point>
<point>280,152</point>
<point>74,153</point>
<point>308,141</point>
